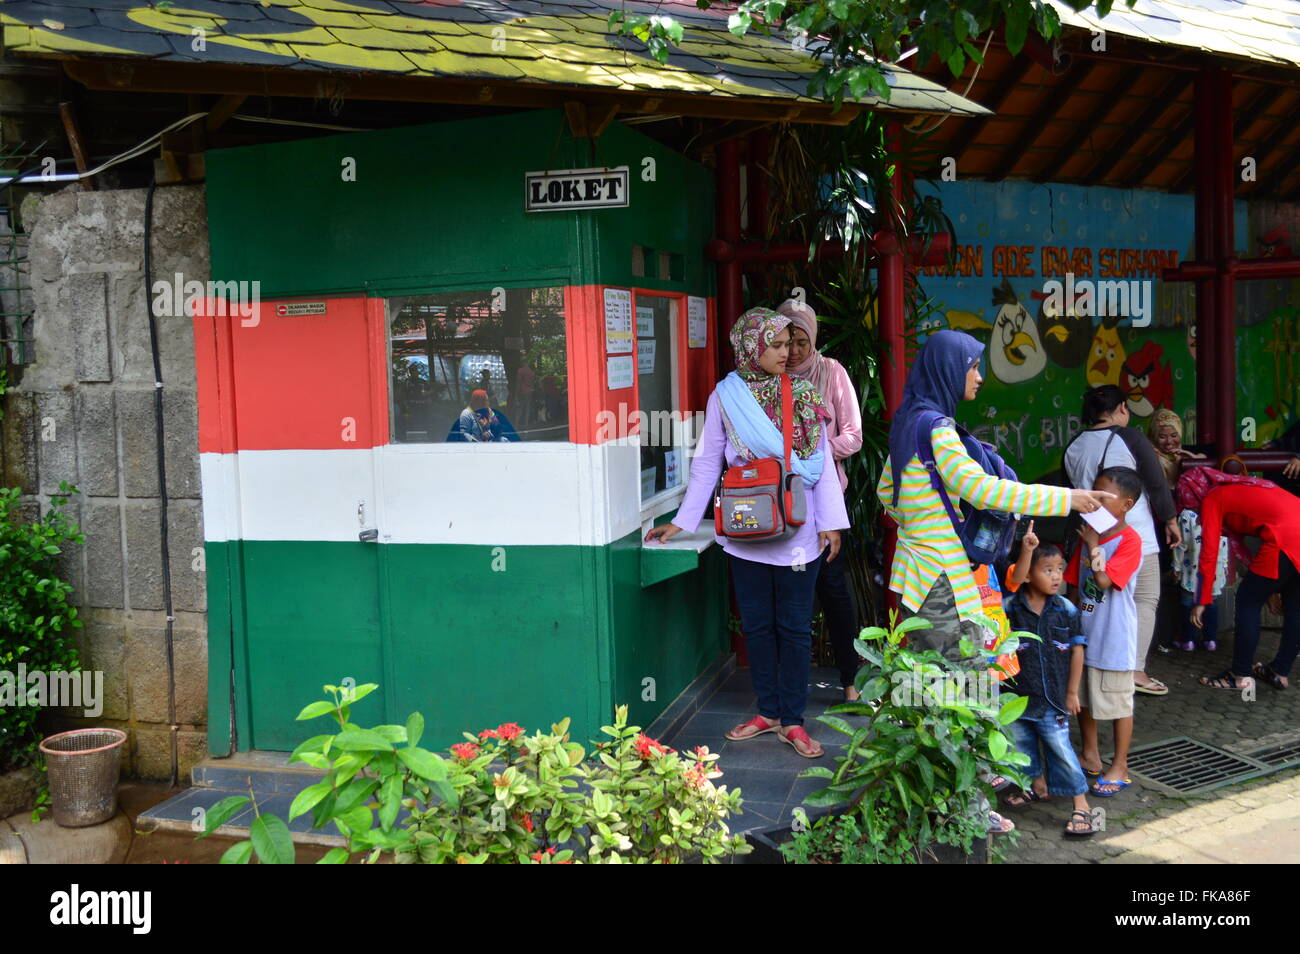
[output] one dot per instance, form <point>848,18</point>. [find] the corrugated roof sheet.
<point>1265,30</point>
<point>558,43</point>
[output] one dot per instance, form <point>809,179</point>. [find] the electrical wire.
<point>966,92</point>
<point>164,543</point>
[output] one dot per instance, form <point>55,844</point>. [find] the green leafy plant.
<point>854,38</point>
<point>912,773</point>
<point>36,618</point>
<point>502,796</point>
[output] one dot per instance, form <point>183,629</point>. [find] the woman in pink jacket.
<point>844,433</point>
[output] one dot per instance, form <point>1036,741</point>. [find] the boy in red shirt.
<point>1109,618</point>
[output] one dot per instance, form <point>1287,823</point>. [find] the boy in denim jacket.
<point>1051,669</point>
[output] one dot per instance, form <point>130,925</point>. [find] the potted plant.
<point>910,786</point>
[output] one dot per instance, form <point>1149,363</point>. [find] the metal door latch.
<point>368,536</point>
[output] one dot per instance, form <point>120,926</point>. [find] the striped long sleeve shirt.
<point>927,543</point>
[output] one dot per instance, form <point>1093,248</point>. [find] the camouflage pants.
<point>946,626</point>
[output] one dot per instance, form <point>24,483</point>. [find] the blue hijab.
<point>936,382</point>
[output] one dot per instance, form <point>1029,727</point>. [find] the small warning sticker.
<point>290,308</point>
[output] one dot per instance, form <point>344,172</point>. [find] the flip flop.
<point>797,737</point>
<point>1123,783</point>
<point>1022,798</point>
<point>754,727</point>
<point>1153,688</point>
<point>999,825</point>
<point>1091,774</point>
<point>1225,680</point>
<point>1072,832</point>
<point>1270,676</point>
<point>999,783</point>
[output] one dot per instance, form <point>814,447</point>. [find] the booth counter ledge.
<point>681,554</point>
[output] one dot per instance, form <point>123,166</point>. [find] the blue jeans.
<point>1190,633</point>
<point>1252,594</point>
<point>835,593</point>
<point>776,604</point>
<point>1052,730</point>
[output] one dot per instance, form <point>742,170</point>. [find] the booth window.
<point>479,367</point>
<point>663,436</point>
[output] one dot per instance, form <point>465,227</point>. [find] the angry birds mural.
<point>967,321</point>
<point>1066,338</point>
<point>1148,383</point>
<point>1106,355</point>
<point>1015,352</point>
<point>928,326</point>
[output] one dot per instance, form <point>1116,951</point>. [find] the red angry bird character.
<point>1148,383</point>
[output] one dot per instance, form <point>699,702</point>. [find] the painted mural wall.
<point>1047,343</point>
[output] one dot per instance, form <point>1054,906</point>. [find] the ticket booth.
<point>447,381</point>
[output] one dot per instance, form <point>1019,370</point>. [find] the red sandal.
<point>754,727</point>
<point>801,741</point>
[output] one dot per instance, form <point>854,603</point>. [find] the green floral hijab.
<point>751,335</point>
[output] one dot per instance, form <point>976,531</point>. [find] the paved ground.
<point>1255,822</point>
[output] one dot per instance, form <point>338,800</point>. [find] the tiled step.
<point>184,812</point>
<point>273,781</point>
<point>268,772</point>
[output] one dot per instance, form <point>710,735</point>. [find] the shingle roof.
<point>1264,30</point>
<point>566,43</point>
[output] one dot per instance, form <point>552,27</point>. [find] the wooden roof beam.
<point>160,77</point>
<point>1110,98</point>
<point>971,130</point>
<point>1280,171</point>
<point>1158,155</point>
<point>1160,103</point>
<point>1064,89</point>
<point>1263,101</point>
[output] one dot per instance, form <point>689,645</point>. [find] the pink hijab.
<point>815,368</point>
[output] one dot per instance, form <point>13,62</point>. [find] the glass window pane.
<point>661,453</point>
<point>479,367</point>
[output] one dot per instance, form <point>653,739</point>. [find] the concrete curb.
<point>46,843</point>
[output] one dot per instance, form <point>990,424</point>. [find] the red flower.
<point>465,751</point>
<point>488,734</point>
<point>537,856</point>
<point>526,821</point>
<point>648,748</point>
<point>509,731</point>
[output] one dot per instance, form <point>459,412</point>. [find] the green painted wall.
<point>431,203</point>
<point>564,631</point>
<point>668,632</point>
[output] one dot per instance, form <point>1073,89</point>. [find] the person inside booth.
<point>480,424</point>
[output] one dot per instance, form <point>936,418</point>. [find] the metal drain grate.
<point>1186,766</point>
<point>1278,755</point>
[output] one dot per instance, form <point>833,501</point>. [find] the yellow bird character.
<point>1107,356</point>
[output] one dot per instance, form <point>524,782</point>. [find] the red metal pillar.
<point>727,180</point>
<point>1206,362</point>
<point>1225,297</point>
<point>892,303</point>
<point>759,200</point>
<point>892,316</point>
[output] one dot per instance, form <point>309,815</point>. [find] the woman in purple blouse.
<point>774,581</point>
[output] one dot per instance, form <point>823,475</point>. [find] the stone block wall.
<point>83,412</point>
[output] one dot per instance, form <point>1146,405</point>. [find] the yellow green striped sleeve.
<point>927,543</point>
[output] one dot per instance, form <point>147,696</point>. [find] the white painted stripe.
<point>518,494</point>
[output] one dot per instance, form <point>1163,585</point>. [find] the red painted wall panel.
<point>303,381</point>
